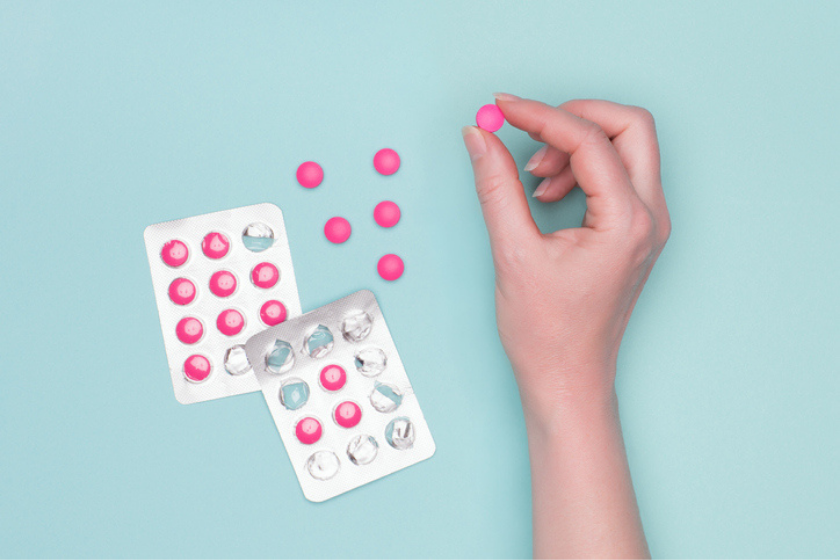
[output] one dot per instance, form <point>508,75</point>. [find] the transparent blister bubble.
<point>385,398</point>
<point>400,433</point>
<point>236,361</point>
<point>323,465</point>
<point>356,326</point>
<point>362,449</point>
<point>294,393</point>
<point>370,362</point>
<point>280,357</point>
<point>257,237</point>
<point>319,342</point>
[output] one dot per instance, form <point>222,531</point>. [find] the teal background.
<point>114,116</point>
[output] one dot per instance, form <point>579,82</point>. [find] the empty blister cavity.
<point>362,449</point>
<point>370,362</point>
<point>323,465</point>
<point>399,433</point>
<point>236,360</point>
<point>294,393</point>
<point>319,342</point>
<point>356,326</point>
<point>280,357</point>
<point>385,398</point>
<point>257,237</point>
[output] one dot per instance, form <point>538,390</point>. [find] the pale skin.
<point>563,300</point>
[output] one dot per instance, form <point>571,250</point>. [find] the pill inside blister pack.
<point>340,396</point>
<point>219,278</point>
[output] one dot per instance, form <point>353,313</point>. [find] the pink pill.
<point>337,230</point>
<point>196,368</point>
<point>308,430</point>
<point>265,275</point>
<point>174,253</point>
<point>348,414</point>
<point>215,245</point>
<point>189,330</point>
<point>386,161</point>
<point>230,322</point>
<point>310,174</point>
<point>386,213</point>
<point>490,118</point>
<point>390,267</point>
<point>333,377</point>
<point>223,283</point>
<point>273,312</point>
<point>181,291</point>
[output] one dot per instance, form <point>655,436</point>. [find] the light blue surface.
<point>114,116</point>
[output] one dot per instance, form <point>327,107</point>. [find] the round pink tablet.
<point>265,275</point>
<point>181,291</point>
<point>230,322</point>
<point>223,283</point>
<point>197,368</point>
<point>310,174</point>
<point>333,377</point>
<point>215,245</point>
<point>490,118</point>
<point>386,213</point>
<point>273,312</point>
<point>189,330</point>
<point>174,253</point>
<point>390,267</point>
<point>386,161</point>
<point>348,414</point>
<point>337,230</point>
<point>308,430</point>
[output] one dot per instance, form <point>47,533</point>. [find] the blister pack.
<point>219,278</point>
<point>340,396</point>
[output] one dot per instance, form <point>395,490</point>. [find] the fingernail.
<point>476,146</point>
<point>542,187</point>
<point>505,97</point>
<point>536,159</point>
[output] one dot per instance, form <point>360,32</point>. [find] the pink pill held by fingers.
<point>215,245</point>
<point>348,414</point>
<point>272,312</point>
<point>308,430</point>
<point>174,253</point>
<point>386,213</point>
<point>390,267</point>
<point>230,322</point>
<point>189,330</point>
<point>265,275</point>
<point>337,230</point>
<point>223,283</point>
<point>333,377</point>
<point>490,118</point>
<point>386,161</point>
<point>196,368</point>
<point>181,291</point>
<point>310,174</point>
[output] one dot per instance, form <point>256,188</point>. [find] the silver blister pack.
<point>340,396</point>
<point>218,279</point>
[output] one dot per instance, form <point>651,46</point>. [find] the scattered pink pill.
<point>390,267</point>
<point>310,174</point>
<point>348,414</point>
<point>197,368</point>
<point>181,291</point>
<point>490,118</point>
<point>386,161</point>
<point>223,283</point>
<point>333,377</point>
<point>337,230</point>
<point>386,213</point>
<point>174,253</point>
<point>265,275</point>
<point>189,330</point>
<point>230,322</point>
<point>215,245</point>
<point>273,312</point>
<point>308,430</point>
